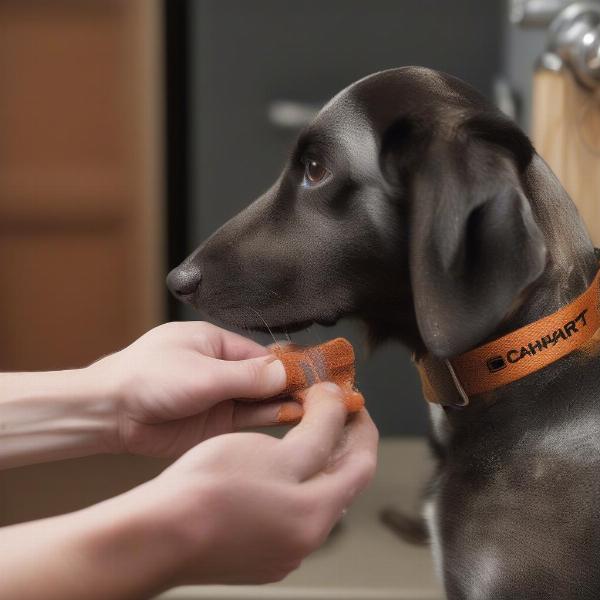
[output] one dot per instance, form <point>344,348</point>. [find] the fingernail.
<point>275,372</point>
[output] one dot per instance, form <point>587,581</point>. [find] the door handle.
<point>291,115</point>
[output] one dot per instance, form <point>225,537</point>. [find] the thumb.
<point>261,377</point>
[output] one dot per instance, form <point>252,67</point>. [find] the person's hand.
<point>248,507</point>
<point>177,385</point>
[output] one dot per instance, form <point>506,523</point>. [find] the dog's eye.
<point>314,172</point>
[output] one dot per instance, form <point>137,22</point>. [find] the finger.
<point>308,447</point>
<point>238,347</point>
<point>227,345</point>
<point>353,466</point>
<point>262,377</point>
<point>265,415</point>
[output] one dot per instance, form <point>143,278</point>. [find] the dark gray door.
<point>247,54</point>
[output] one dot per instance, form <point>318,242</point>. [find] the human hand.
<point>177,385</point>
<point>247,507</point>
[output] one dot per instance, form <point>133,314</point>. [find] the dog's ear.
<point>474,244</point>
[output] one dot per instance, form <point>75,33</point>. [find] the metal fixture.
<point>535,13</point>
<point>287,114</point>
<point>573,35</point>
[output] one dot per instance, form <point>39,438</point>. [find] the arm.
<point>240,508</point>
<point>53,415</point>
<point>103,552</point>
<point>169,390</point>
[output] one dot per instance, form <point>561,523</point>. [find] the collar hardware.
<point>457,385</point>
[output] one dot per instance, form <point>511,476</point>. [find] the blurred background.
<point>131,129</point>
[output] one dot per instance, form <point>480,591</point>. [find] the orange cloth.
<point>307,365</point>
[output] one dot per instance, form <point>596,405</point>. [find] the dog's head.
<point>401,205</point>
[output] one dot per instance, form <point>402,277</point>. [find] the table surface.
<point>363,559</point>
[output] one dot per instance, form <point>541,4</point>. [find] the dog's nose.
<point>183,281</point>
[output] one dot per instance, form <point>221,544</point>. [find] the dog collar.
<point>530,348</point>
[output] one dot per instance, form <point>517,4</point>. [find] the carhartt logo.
<point>496,363</point>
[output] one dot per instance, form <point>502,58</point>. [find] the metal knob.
<point>573,35</point>
<point>575,38</point>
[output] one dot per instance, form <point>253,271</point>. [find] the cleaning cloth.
<point>306,365</point>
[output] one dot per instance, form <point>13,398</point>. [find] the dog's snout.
<point>183,281</point>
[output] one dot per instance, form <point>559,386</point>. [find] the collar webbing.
<point>530,348</point>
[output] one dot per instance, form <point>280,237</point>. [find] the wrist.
<point>144,536</point>
<point>115,549</point>
<point>54,415</point>
<point>103,397</point>
<point>109,550</point>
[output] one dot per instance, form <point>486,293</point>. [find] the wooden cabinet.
<point>81,241</point>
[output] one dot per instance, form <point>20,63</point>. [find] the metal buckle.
<point>457,384</point>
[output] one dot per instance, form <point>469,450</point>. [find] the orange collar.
<point>530,348</point>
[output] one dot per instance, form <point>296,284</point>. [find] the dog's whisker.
<point>266,325</point>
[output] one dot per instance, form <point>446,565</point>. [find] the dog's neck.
<point>571,267</point>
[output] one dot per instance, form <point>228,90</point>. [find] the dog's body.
<point>412,204</point>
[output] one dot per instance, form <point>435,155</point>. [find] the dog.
<point>414,205</point>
